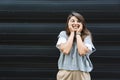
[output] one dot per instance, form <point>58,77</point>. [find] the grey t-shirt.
<point>73,61</point>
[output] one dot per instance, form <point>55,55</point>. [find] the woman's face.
<point>74,22</point>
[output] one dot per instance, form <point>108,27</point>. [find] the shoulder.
<point>63,33</point>
<point>88,37</point>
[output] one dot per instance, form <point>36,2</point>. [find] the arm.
<point>66,47</point>
<point>82,49</point>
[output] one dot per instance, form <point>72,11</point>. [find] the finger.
<point>71,29</point>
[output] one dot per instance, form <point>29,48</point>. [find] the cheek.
<point>69,24</point>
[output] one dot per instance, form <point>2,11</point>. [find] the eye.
<point>72,20</point>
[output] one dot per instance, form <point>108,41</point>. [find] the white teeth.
<point>75,26</point>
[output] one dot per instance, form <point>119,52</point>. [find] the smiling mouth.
<point>75,26</point>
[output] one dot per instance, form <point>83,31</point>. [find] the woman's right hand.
<point>71,29</point>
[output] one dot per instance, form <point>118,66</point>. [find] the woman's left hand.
<point>80,27</point>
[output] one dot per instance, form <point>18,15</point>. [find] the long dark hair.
<point>85,32</point>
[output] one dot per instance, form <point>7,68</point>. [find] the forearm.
<point>68,45</point>
<point>82,49</point>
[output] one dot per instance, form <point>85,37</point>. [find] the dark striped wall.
<point>29,30</point>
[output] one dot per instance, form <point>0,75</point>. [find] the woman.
<point>75,45</point>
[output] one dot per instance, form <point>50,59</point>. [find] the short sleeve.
<point>61,38</point>
<point>89,44</point>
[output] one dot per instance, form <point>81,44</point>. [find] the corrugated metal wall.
<point>28,35</point>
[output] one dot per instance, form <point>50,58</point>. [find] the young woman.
<point>75,45</point>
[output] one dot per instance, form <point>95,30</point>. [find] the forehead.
<point>73,17</point>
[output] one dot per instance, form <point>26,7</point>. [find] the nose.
<point>76,22</point>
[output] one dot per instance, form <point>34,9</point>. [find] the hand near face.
<point>74,24</point>
<point>71,29</point>
<point>80,27</point>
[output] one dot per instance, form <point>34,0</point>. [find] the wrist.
<point>78,33</point>
<point>72,33</point>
